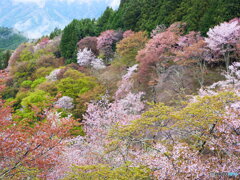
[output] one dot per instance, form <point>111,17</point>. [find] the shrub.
<point>33,106</point>
<point>26,84</point>
<point>49,87</point>
<point>74,87</point>
<point>83,100</point>
<point>36,82</point>
<point>73,74</point>
<point>42,72</point>
<point>23,69</point>
<point>49,60</point>
<point>26,55</point>
<point>38,98</point>
<point>129,47</point>
<point>104,172</point>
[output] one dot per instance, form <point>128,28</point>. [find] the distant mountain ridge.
<point>10,38</point>
<point>36,21</point>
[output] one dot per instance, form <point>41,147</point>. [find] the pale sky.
<point>112,3</point>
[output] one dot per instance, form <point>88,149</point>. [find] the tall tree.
<point>103,22</point>
<point>72,33</point>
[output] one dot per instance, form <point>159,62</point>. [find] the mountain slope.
<point>10,38</point>
<point>37,21</point>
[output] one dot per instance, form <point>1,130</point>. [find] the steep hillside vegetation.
<point>99,103</point>
<point>147,14</point>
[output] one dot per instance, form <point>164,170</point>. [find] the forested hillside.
<point>133,95</point>
<point>10,38</point>
<point>147,14</point>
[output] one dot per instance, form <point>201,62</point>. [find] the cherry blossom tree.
<point>200,138</point>
<point>128,33</point>
<point>126,83</point>
<point>192,49</point>
<point>101,116</point>
<point>65,102</point>
<point>106,41</point>
<point>53,76</point>
<point>222,39</point>
<point>157,52</point>
<point>159,29</point>
<point>86,58</point>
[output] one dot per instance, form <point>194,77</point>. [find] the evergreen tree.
<point>55,33</point>
<point>103,22</point>
<point>72,33</point>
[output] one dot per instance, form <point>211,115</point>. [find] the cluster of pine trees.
<point>199,15</point>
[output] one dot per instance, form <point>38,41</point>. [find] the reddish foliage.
<point>157,51</point>
<point>15,56</point>
<point>29,146</point>
<point>106,41</point>
<point>44,41</point>
<point>128,33</point>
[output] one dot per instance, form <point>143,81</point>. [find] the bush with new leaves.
<point>75,83</point>
<point>129,47</point>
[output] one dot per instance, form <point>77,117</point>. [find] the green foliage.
<point>55,33</point>
<point>129,47</point>
<point>10,39</point>
<point>9,92</point>
<point>42,72</point>
<point>36,82</point>
<point>26,84</point>
<point>38,98</point>
<point>49,86</point>
<point>23,71</point>
<point>33,106</point>
<point>200,15</point>
<point>104,22</point>
<point>199,117</point>
<point>104,172</point>
<point>74,87</point>
<point>4,57</point>
<point>81,106</point>
<point>26,55</point>
<point>72,33</point>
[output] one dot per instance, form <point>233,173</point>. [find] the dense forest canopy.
<point>200,15</point>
